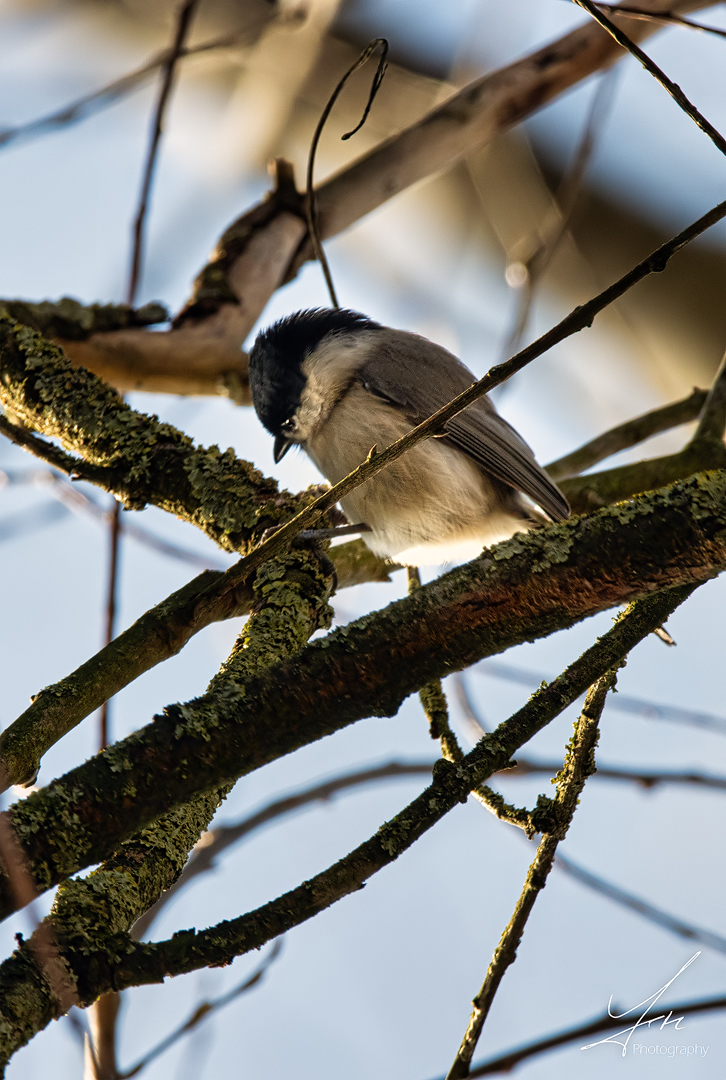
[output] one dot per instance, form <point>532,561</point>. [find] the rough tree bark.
<point>138,807</point>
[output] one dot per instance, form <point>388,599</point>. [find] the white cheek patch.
<point>329,371</point>
<point>311,409</point>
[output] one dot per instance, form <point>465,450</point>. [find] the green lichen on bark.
<point>675,537</point>
<point>137,457</point>
<point>290,603</point>
<point>452,782</point>
<point>69,319</point>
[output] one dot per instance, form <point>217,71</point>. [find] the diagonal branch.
<point>145,963</point>
<point>507,1062</point>
<point>660,76</point>
<point>520,590</point>
<point>579,764</point>
<point>628,434</point>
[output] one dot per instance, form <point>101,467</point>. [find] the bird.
<point>336,383</point>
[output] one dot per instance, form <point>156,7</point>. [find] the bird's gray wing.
<point>421,377</point>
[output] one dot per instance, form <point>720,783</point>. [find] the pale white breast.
<point>432,505</point>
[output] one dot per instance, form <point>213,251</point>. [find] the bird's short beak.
<point>281,447</point>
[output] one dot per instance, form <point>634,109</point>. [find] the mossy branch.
<point>100,962</point>
<point>157,635</point>
<point>135,457</point>
<point>436,710</point>
<point>290,598</point>
<point>578,765</point>
<point>520,590</point>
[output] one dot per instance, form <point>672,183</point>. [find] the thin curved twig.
<point>310,202</point>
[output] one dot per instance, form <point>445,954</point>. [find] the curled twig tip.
<point>310,193</point>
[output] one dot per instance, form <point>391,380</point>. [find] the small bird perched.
<point>336,383</point>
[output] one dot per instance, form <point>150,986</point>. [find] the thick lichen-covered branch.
<point>135,457</point>
<point>613,485</point>
<point>119,962</point>
<point>578,765</point>
<point>517,591</point>
<point>157,635</point>
<point>290,598</point>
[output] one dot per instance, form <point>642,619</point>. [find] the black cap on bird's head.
<point>276,376</point>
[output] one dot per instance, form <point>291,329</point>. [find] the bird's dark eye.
<point>288,425</point>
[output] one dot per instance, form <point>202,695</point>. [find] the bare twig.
<point>662,17</point>
<point>538,262</point>
<point>579,764</point>
<point>507,1062</point>
<point>648,911</point>
<point>89,104</point>
<point>310,204</point>
<point>673,89</point>
<point>168,69</point>
<point>712,423</point>
<point>619,702</point>
<point>203,1011</point>
<point>629,434</point>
